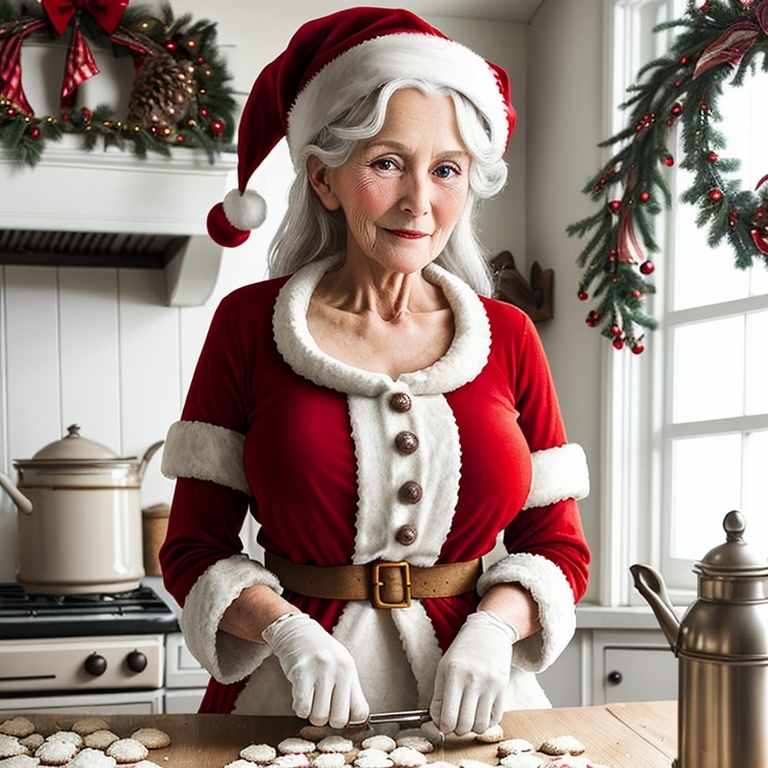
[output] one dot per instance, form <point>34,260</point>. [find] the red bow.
<point>106,12</point>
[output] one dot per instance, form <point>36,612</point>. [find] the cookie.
<point>314,732</point>
<point>492,735</point>
<point>152,738</point>
<point>92,758</point>
<point>10,746</point>
<point>145,764</point>
<point>127,750</point>
<point>99,739</point>
<point>294,746</point>
<point>335,744</point>
<point>56,751</point>
<point>239,763</point>
<point>293,760</point>
<point>18,727</point>
<point>259,753</point>
<point>33,741</point>
<point>90,724</point>
<point>513,747</point>
<point>329,760</point>
<point>372,758</point>
<point>469,763</point>
<point>419,743</point>
<point>523,760</point>
<point>407,757</point>
<point>69,736</point>
<point>562,745</point>
<point>379,741</point>
<point>20,761</point>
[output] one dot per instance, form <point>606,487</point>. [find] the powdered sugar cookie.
<point>33,741</point>
<point>335,744</point>
<point>514,747</point>
<point>69,736</point>
<point>99,739</point>
<point>127,750</point>
<point>86,725</point>
<point>469,763</point>
<point>145,764</point>
<point>295,746</point>
<point>419,743</point>
<point>407,757</point>
<point>92,758</point>
<point>372,758</point>
<point>562,745</point>
<point>56,751</point>
<point>259,753</point>
<point>20,761</point>
<point>379,741</point>
<point>239,763</point>
<point>18,727</point>
<point>329,760</point>
<point>293,760</point>
<point>152,738</point>
<point>10,746</point>
<point>523,760</point>
<point>492,735</point>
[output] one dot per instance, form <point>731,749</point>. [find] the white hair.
<point>309,232</point>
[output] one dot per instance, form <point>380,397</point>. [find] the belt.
<point>386,584</point>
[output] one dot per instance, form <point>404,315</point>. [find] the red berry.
<point>583,295</point>
<point>638,349</point>
<point>715,195</point>
<point>618,343</point>
<point>645,197</point>
<point>669,161</point>
<point>217,127</point>
<point>647,267</point>
<point>614,205</point>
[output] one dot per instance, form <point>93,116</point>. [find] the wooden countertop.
<point>617,735</point>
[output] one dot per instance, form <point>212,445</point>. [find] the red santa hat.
<point>331,63</point>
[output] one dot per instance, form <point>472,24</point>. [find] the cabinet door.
<point>637,673</point>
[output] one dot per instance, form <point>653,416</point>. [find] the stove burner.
<point>25,615</point>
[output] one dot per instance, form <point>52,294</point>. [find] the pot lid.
<point>74,447</point>
<point>735,555</point>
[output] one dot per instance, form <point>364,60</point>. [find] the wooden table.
<point>636,735</point>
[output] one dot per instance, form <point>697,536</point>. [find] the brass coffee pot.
<point>722,646</point>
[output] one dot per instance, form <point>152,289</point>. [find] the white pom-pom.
<point>246,211</point>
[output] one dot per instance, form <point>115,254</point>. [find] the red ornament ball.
<point>676,109</point>
<point>592,319</point>
<point>645,197</point>
<point>618,343</point>
<point>669,161</point>
<point>583,295</point>
<point>171,47</point>
<point>713,157</point>
<point>715,195</point>
<point>647,267</point>
<point>217,127</point>
<point>638,294</point>
<point>34,131</point>
<point>638,349</point>
<point>614,205</point>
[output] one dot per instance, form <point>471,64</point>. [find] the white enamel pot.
<point>80,528</point>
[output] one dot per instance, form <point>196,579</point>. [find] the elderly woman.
<point>382,420</point>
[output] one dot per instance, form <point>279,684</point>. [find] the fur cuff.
<point>226,657</point>
<point>558,474</point>
<point>205,452</point>
<point>551,591</point>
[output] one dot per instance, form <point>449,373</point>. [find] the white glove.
<point>473,675</point>
<point>321,671</point>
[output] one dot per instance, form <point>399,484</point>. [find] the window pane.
<point>706,484</point>
<point>708,370</point>
<point>755,504</point>
<point>756,395</point>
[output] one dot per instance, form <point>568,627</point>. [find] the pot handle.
<point>19,499</point>
<point>148,454</point>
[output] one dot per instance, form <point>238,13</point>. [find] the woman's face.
<point>403,190</point>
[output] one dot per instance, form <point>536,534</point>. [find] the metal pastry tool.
<point>414,717</point>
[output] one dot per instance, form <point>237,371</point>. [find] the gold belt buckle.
<point>377,584</point>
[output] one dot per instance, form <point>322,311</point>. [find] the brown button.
<point>400,402</point>
<point>406,535</point>
<point>406,442</point>
<point>410,493</point>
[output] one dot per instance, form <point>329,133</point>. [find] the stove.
<point>68,651</point>
<point>24,615</point>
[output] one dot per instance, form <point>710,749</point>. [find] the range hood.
<point>111,208</point>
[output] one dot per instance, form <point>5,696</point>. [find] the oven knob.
<point>96,665</point>
<point>136,661</point>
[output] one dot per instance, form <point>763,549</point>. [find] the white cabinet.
<point>185,679</point>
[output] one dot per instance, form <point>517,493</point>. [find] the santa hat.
<point>331,63</point>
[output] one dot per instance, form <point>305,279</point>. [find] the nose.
<point>415,199</point>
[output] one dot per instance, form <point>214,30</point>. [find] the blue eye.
<point>446,171</point>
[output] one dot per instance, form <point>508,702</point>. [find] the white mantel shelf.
<point>115,191</point>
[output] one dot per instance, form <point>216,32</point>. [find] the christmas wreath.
<point>179,96</point>
<point>719,43</point>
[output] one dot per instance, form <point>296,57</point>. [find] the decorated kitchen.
<point>382,386</point>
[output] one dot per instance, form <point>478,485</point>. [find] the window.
<point>688,425</point>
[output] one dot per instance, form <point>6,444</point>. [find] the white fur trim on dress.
<point>554,597</point>
<point>361,70</point>
<point>226,657</point>
<point>205,452</point>
<point>558,474</point>
<point>463,361</point>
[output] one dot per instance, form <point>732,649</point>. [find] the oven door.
<point>114,702</point>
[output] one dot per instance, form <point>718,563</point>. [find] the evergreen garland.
<point>719,43</point>
<point>207,120</point>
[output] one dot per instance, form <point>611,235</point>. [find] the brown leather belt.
<point>386,584</point>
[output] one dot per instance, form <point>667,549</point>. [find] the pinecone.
<point>161,92</point>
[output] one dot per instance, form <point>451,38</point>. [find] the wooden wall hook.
<point>534,298</point>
